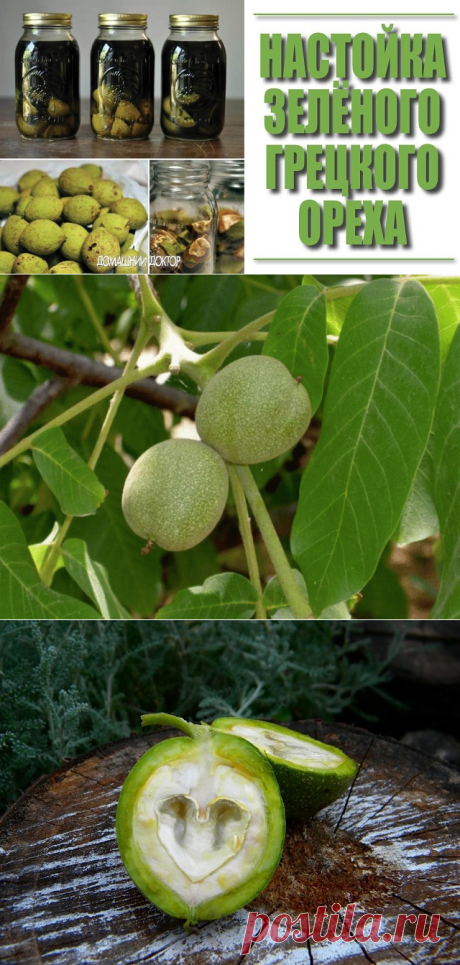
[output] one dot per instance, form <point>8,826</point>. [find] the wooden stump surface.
<point>391,845</point>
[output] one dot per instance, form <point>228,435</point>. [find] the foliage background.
<point>67,686</point>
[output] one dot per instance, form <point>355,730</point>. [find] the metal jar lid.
<point>47,19</point>
<point>122,19</point>
<point>193,20</point>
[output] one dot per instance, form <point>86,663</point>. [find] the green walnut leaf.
<point>227,596</point>
<point>447,482</point>
<point>23,596</point>
<point>297,338</point>
<point>92,578</point>
<point>377,418</point>
<point>446,299</point>
<point>76,487</point>
<point>419,518</point>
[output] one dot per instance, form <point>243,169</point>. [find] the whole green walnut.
<point>94,170</point>
<point>24,199</point>
<point>129,265</point>
<point>253,410</point>
<point>99,250</point>
<point>8,200</point>
<point>7,260</point>
<point>106,191</point>
<point>73,181</point>
<point>45,188</point>
<point>29,178</point>
<point>133,210</point>
<point>65,268</point>
<point>42,237</point>
<point>115,223</point>
<point>46,207</point>
<point>27,264</point>
<point>81,209</point>
<point>175,494</point>
<point>74,235</point>
<point>12,231</point>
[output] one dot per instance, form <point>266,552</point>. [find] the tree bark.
<point>391,845</point>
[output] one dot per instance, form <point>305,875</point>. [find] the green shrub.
<point>67,686</point>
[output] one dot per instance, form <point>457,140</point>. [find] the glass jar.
<point>227,185</point>
<point>183,219</point>
<point>47,64</point>
<point>193,76</point>
<point>122,76</point>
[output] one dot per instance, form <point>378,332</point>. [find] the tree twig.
<point>87,371</point>
<point>40,399</point>
<point>10,298</point>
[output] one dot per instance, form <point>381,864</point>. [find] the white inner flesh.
<point>200,825</point>
<point>286,748</point>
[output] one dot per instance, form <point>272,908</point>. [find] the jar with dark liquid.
<point>47,77</point>
<point>193,72</point>
<point>122,75</point>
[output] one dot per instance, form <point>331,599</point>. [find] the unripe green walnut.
<point>42,237</point>
<point>175,493</point>
<point>253,410</point>
<point>12,231</point>
<point>81,209</point>
<point>133,210</point>
<point>73,181</point>
<point>8,199</point>
<point>99,250</point>
<point>200,822</point>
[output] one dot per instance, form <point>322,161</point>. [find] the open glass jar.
<point>183,217</point>
<point>122,76</point>
<point>193,78</point>
<point>227,185</point>
<point>47,66</point>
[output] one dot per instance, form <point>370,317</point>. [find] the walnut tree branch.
<point>87,371</point>
<point>40,399</point>
<point>10,298</point>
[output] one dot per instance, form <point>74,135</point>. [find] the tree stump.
<point>391,846</point>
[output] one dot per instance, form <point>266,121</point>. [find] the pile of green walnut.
<point>77,222</point>
<point>188,243</point>
<point>251,411</point>
<point>201,818</point>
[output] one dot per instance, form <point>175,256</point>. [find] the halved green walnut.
<point>200,822</point>
<point>310,774</point>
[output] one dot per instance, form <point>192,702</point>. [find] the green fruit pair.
<point>250,412</point>
<point>200,819</point>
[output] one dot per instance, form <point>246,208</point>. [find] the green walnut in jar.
<point>193,77</point>
<point>47,77</point>
<point>122,76</point>
<point>182,219</point>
